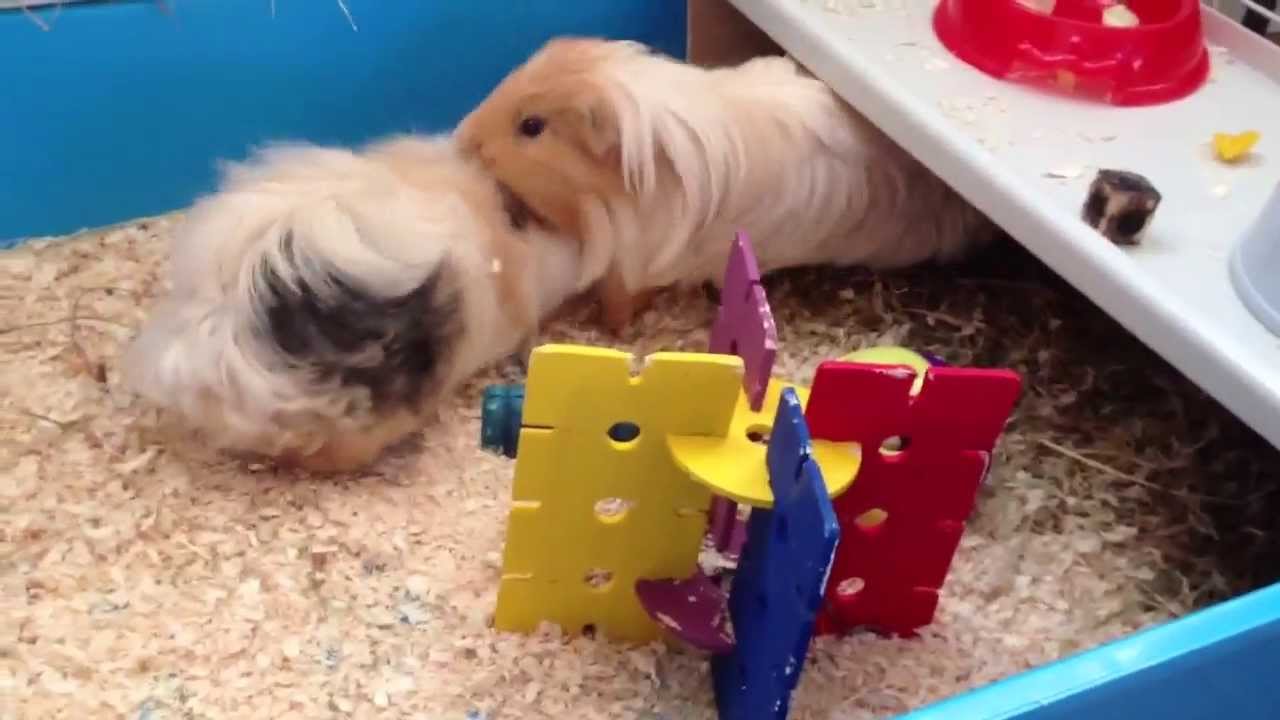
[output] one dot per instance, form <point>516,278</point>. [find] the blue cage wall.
<point>121,109</point>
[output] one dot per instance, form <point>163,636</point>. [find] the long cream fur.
<point>385,220</point>
<point>697,154</point>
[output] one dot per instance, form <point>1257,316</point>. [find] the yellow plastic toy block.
<point>598,502</point>
<point>893,355</point>
<point>734,465</point>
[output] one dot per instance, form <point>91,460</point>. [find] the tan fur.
<point>653,164</point>
<point>421,166</point>
<point>349,451</point>
<point>388,216</point>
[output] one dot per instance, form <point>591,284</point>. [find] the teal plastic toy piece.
<point>500,414</point>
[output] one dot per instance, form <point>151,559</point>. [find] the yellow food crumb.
<point>1230,148</point>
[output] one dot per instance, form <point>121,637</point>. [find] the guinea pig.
<point>653,163</point>
<point>324,300</point>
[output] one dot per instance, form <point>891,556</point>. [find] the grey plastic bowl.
<point>1255,266</point>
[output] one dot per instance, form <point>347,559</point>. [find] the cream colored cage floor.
<point>143,577</point>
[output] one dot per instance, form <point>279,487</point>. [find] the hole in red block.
<point>759,434</point>
<point>895,445</point>
<point>872,518</point>
<point>733,347</point>
<point>850,587</point>
<point>598,578</point>
<point>612,510</point>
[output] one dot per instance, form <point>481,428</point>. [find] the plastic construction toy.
<point>779,585</point>
<point>500,414</point>
<point>744,327</point>
<point>1135,52</point>
<point>858,490</point>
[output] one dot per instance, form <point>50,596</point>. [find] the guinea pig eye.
<point>532,126</point>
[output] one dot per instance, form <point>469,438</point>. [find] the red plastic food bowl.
<point>1160,60</point>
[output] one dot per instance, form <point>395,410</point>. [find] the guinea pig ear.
<point>600,133</point>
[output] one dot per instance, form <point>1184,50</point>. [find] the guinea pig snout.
<point>471,145</point>
<point>484,154</point>
<point>467,139</point>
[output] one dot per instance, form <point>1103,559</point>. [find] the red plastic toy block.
<point>891,563</point>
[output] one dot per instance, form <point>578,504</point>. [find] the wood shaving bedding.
<point>143,577</point>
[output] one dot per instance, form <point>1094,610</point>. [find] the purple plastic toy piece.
<point>695,610</point>
<point>723,523</point>
<point>934,360</point>
<point>743,327</point>
<point>728,532</point>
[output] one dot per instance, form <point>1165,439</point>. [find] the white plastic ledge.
<point>1174,292</point>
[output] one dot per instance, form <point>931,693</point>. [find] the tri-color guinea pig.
<point>324,301</point>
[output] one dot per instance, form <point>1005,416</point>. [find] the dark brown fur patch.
<point>391,345</point>
<point>519,213</point>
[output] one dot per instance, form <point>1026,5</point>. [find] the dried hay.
<point>143,577</point>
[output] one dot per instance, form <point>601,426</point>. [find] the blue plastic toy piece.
<point>781,578</point>
<point>500,414</point>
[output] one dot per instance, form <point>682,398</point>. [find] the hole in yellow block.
<point>638,364</point>
<point>624,433</point>
<point>759,434</point>
<point>612,510</point>
<point>598,578</point>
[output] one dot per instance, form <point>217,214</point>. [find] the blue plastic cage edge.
<point>1220,663</point>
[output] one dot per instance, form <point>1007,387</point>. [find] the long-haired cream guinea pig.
<point>324,299</point>
<point>653,163</point>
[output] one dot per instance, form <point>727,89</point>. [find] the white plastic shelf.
<point>999,143</point>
